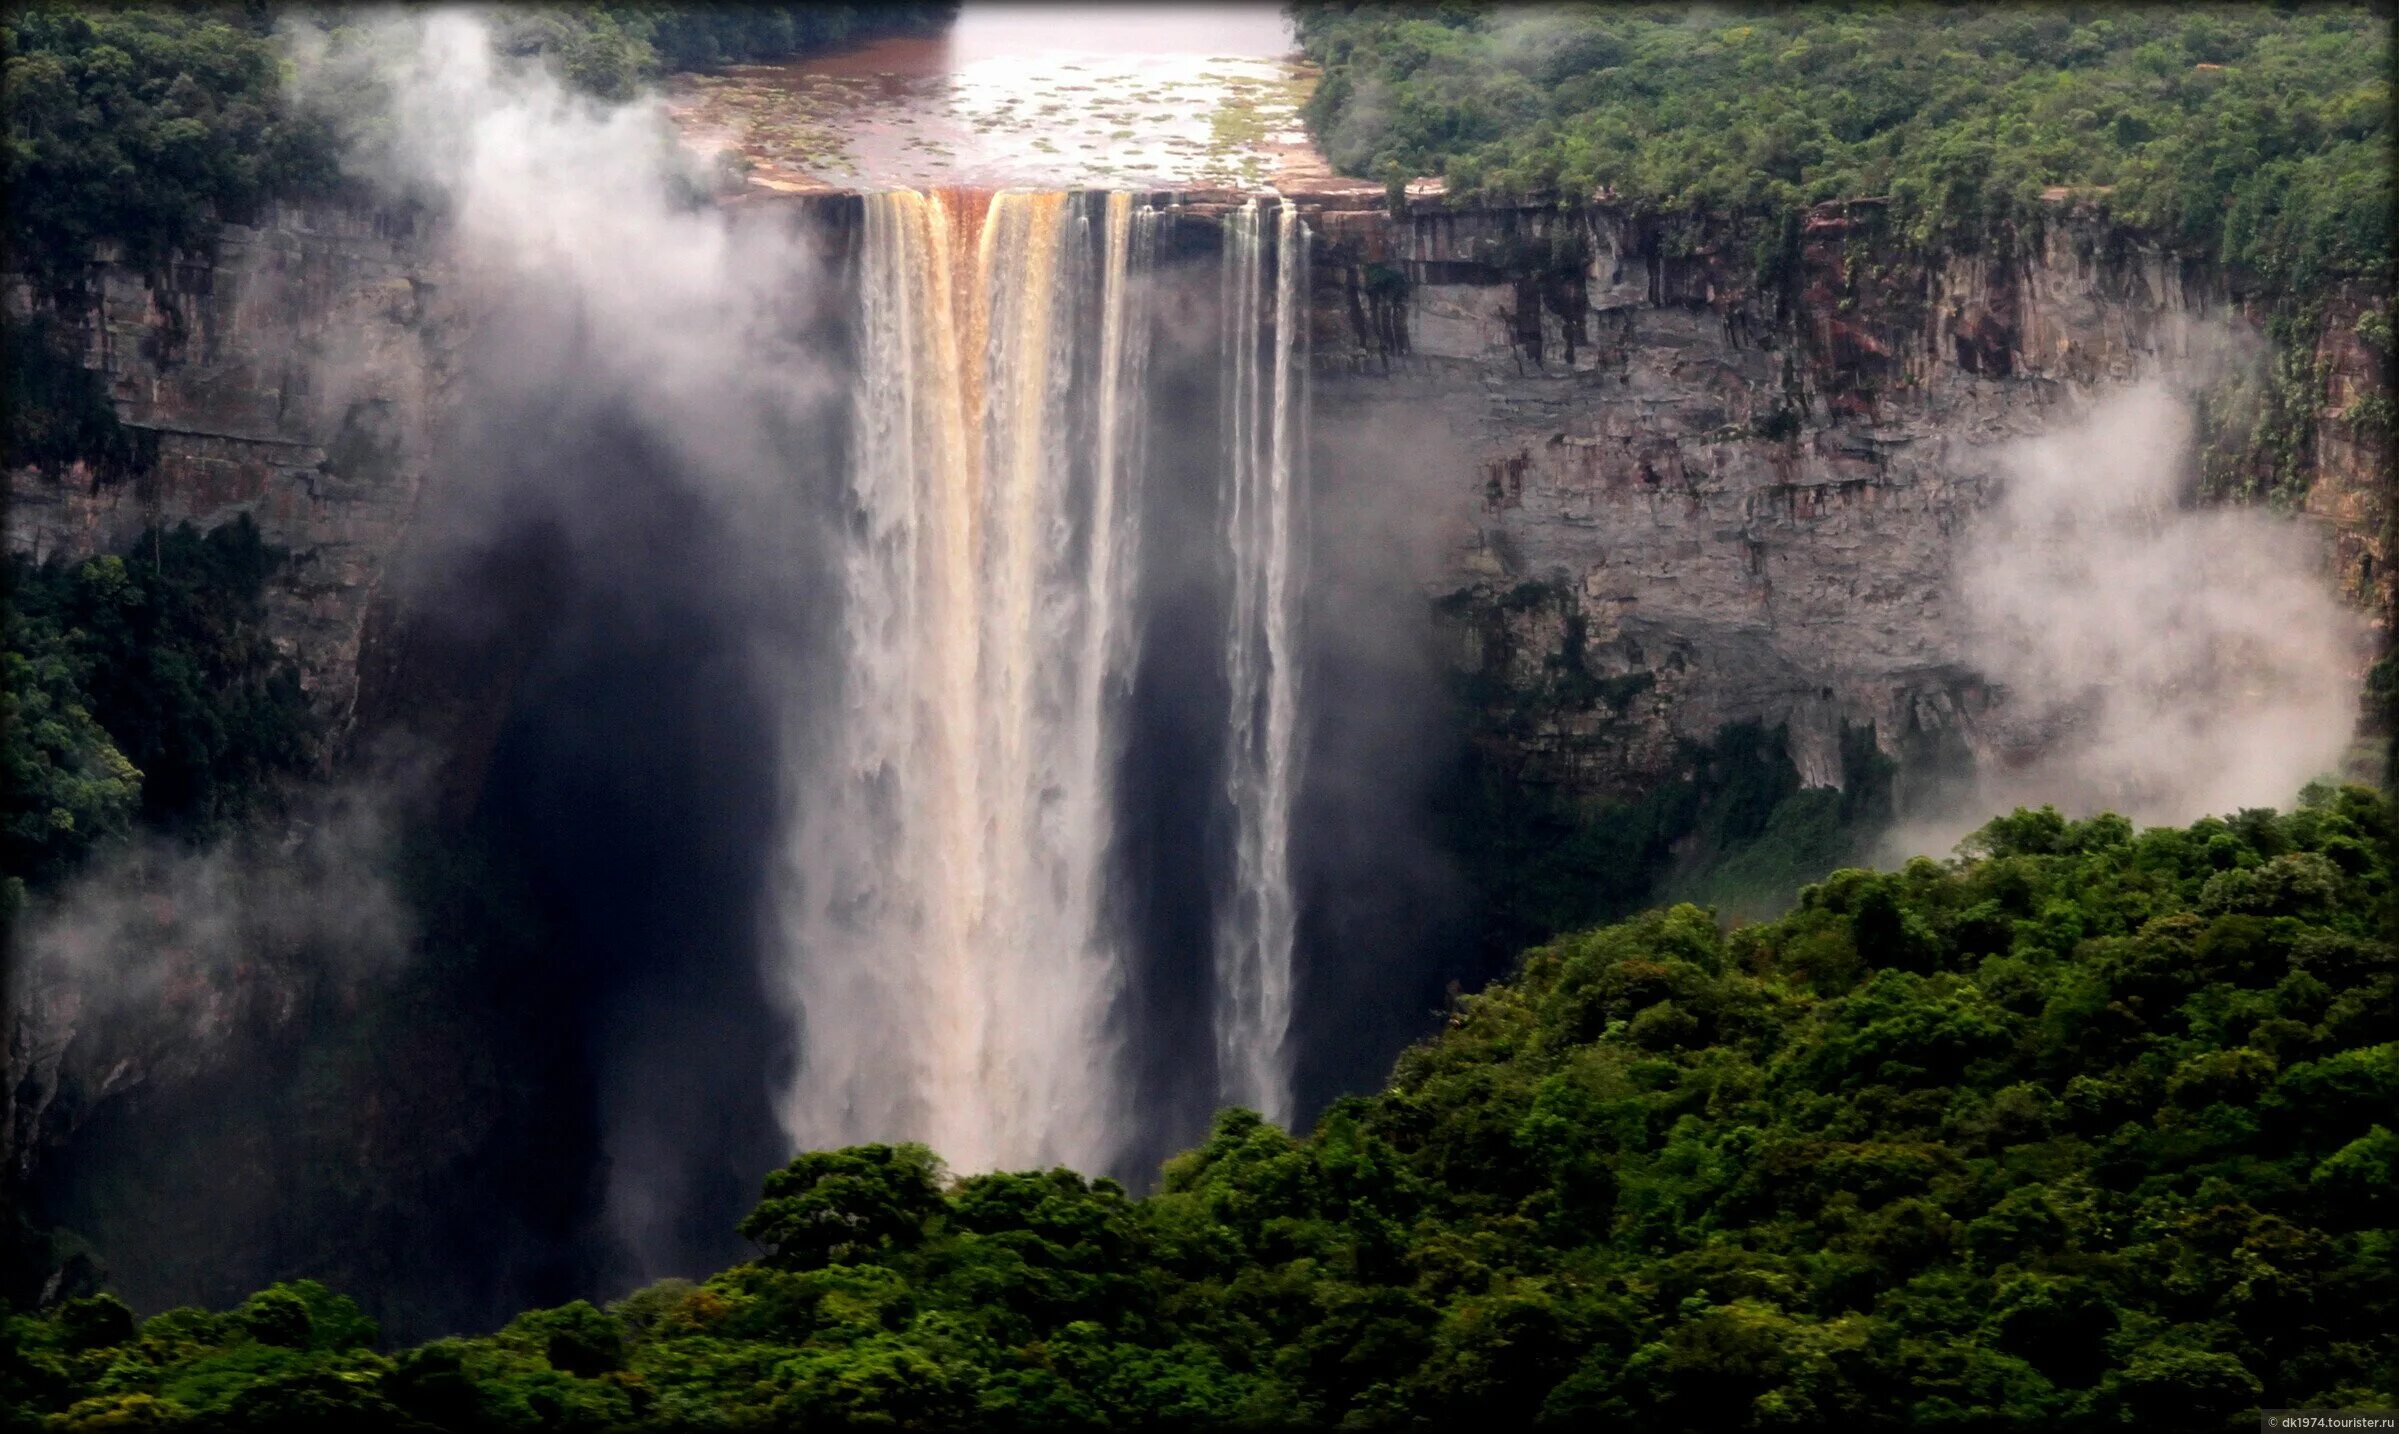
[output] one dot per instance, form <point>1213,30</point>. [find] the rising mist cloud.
<point>627,460</point>
<point>550,201</point>
<point>148,964</point>
<point>2157,658</point>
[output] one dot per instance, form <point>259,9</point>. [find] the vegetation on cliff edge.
<point>2091,1130</point>
<point>2256,135</point>
<point>142,688</point>
<point>609,50</point>
<point>145,126</point>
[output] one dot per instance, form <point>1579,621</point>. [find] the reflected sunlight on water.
<point>1054,96</point>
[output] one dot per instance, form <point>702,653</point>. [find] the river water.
<point>1022,96</point>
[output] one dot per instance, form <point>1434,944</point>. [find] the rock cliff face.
<point>1702,493</point>
<point>1691,489</point>
<point>2352,490</point>
<point>1675,492</point>
<point>291,376</point>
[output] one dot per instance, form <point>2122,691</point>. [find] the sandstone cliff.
<point>1707,488</point>
<point>1692,488</point>
<point>1679,488</point>
<point>293,376</point>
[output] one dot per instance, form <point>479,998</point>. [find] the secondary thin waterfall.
<point>1265,415</point>
<point>949,952</point>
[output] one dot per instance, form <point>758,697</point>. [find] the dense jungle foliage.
<point>148,125</point>
<point>2255,134</point>
<point>2091,1130</point>
<point>58,412</point>
<point>609,50</point>
<point>142,688</point>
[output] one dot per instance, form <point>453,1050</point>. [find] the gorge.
<point>1016,668</point>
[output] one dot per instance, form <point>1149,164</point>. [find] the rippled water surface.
<point>1053,96</point>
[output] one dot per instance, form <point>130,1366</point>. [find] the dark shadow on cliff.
<point>1169,784</point>
<point>635,776</point>
<point>625,590</point>
<point>1385,923</point>
<point>407,1131</point>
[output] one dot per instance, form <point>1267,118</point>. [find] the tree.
<point>836,1207</point>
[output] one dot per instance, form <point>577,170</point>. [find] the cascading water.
<point>951,951</point>
<point>1265,410</point>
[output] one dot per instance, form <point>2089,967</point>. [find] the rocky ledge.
<point>1715,490</point>
<point>291,376</point>
<point>1708,490</point>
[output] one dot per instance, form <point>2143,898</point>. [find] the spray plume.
<point>2158,659</point>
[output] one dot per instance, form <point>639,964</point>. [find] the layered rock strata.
<point>1699,485</point>
<point>292,376</point>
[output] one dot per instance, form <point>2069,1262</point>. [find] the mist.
<point>155,930</point>
<point>652,476</point>
<point>161,969</point>
<point>645,535</point>
<point>1386,916</point>
<point>641,417</point>
<point>2155,658</point>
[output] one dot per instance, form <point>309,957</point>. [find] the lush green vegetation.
<point>142,687</point>
<point>2256,134</point>
<point>145,127</point>
<point>1734,830</point>
<point>139,693</point>
<point>144,698</point>
<point>148,125</point>
<point>58,413</point>
<point>2090,1131</point>
<point>610,49</point>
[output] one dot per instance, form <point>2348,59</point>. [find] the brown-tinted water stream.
<point>1023,95</point>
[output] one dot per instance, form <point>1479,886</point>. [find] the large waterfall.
<point>953,951</point>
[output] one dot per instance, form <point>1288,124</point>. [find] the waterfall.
<point>1265,412</point>
<point>948,950</point>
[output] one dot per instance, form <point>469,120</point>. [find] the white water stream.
<point>1265,409</point>
<point>951,949</point>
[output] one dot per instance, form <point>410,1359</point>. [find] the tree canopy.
<point>143,686</point>
<point>148,125</point>
<point>2258,135</point>
<point>2090,1128</point>
<point>609,50</point>
<point>145,127</point>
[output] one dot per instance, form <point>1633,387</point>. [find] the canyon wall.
<point>1663,486</point>
<point>1695,485</point>
<point>293,376</point>
<point>1678,487</point>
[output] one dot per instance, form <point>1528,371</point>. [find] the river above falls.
<point>1023,95</point>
